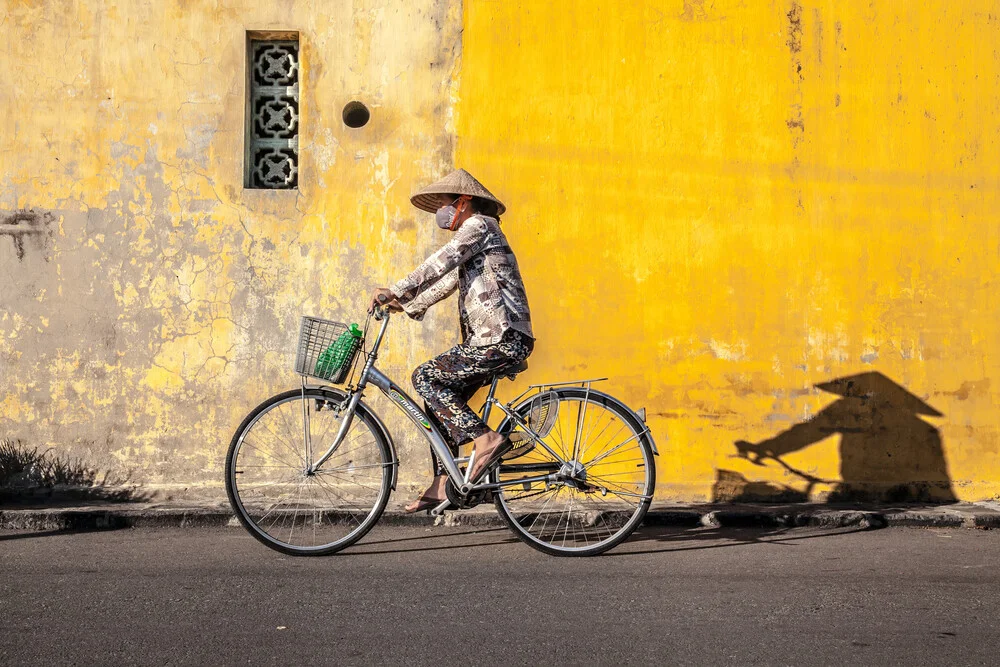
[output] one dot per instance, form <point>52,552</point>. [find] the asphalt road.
<point>447,596</point>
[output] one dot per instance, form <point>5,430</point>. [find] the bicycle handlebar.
<point>381,312</point>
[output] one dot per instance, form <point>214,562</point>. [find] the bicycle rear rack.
<point>583,383</point>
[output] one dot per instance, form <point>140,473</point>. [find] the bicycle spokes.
<point>586,502</point>
<point>292,507</point>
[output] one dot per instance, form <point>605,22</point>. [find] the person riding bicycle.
<point>493,313</point>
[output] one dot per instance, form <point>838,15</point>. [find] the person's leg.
<point>445,382</point>
<point>439,427</point>
<point>465,394</point>
<point>512,349</point>
<point>426,382</point>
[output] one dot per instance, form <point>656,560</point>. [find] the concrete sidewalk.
<point>159,515</point>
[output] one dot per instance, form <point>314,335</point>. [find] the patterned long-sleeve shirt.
<point>478,262</point>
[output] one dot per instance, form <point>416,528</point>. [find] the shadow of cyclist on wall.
<point>887,452</point>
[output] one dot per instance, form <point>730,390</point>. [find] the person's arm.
<point>440,290</point>
<point>825,423</point>
<point>467,242</point>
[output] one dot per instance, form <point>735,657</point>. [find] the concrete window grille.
<point>272,115</point>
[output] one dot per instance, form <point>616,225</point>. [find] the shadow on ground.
<point>435,540</point>
<point>32,534</point>
<point>663,539</point>
<point>647,539</point>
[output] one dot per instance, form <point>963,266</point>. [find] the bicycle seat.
<point>520,368</point>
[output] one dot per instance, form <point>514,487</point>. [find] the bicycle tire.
<point>643,443</point>
<point>382,449</point>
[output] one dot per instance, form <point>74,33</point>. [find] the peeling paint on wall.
<point>169,304</point>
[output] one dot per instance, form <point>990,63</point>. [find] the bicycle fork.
<point>345,426</point>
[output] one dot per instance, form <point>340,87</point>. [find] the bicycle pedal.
<point>439,510</point>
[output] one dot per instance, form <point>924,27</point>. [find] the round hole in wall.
<point>356,114</point>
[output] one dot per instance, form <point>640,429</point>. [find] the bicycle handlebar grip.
<point>382,298</point>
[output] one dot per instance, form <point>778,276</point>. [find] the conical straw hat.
<point>882,390</point>
<point>458,182</point>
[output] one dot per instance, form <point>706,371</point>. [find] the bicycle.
<point>309,471</point>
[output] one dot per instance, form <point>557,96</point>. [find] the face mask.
<point>445,215</point>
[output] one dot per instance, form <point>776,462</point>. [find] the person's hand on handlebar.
<point>383,298</point>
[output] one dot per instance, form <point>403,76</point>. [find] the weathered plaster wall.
<point>721,204</point>
<point>158,301</point>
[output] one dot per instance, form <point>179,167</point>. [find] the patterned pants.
<point>449,380</point>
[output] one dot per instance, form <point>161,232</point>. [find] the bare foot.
<point>489,446</point>
<point>432,497</point>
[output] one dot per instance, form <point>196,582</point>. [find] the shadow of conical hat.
<point>458,182</point>
<point>882,390</point>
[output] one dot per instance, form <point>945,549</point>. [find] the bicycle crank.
<point>458,501</point>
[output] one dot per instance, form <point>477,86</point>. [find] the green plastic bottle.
<point>338,353</point>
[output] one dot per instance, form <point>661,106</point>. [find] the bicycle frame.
<point>409,407</point>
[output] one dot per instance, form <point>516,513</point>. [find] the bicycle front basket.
<point>327,350</point>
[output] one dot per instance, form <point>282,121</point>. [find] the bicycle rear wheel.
<point>604,491</point>
<point>299,513</point>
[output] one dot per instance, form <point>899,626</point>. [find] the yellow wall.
<point>722,204</point>
<point>717,204</point>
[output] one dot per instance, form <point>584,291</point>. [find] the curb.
<point>111,518</point>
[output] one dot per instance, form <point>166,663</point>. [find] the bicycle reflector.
<point>542,414</point>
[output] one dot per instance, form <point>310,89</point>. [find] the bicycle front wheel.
<point>287,507</point>
<point>603,462</point>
